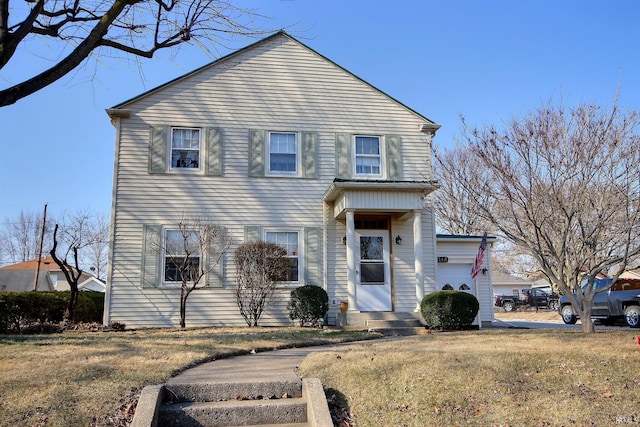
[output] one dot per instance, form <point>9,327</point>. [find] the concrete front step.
<point>379,319</point>
<point>279,425</point>
<point>388,324</point>
<point>234,404</point>
<point>234,412</point>
<point>219,391</point>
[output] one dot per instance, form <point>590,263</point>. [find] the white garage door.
<point>455,277</point>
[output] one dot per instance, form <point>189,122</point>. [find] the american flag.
<point>477,265</point>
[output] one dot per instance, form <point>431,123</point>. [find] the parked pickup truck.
<point>621,301</point>
<point>527,297</point>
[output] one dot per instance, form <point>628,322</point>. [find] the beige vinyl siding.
<point>277,85</point>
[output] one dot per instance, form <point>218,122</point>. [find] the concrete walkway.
<point>277,365</point>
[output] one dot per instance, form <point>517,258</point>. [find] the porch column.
<point>419,256</point>
<point>351,259</point>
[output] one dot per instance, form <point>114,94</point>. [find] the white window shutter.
<point>215,263</point>
<point>252,233</point>
<point>394,157</point>
<point>214,153</point>
<point>343,156</point>
<point>313,259</point>
<point>150,266</point>
<point>256,152</point>
<point>158,142</point>
<point>309,154</point>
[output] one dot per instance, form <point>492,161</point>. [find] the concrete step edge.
<point>240,412</point>
<point>220,391</point>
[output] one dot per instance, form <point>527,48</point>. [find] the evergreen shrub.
<point>36,312</point>
<point>447,310</point>
<point>308,304</point>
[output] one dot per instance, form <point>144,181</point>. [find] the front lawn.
<point>92,378</point>
<point>487,378</point>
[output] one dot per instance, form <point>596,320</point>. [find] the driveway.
<point>530,324</point>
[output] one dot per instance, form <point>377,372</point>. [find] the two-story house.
<point>281,144</point>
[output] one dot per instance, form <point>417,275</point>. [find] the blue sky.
<point>487,60</point>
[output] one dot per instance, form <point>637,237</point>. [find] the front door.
<point>373,276</point>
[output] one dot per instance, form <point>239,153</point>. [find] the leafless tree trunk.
<point>72,272</point>
<point>259,267</point>
<point>74,31</point>
<point>192,251</point>
<point>562,184</point>
<point>72,238</point>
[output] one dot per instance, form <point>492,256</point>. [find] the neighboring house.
<point>20,277</point>
<point>631,274</point>
<point>277,143</point>
<point>507,284</point>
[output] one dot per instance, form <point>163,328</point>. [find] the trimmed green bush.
<point>446,310</point>
<point>308,304</point>
<point>36,312</point>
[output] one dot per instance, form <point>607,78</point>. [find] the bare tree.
<point>192,251</point>
<point>21,235</point>
<point>259,267</point>
<point>75,31</point>
<point>563,184</point>
<point>76,235</point>
<point>452,203</point>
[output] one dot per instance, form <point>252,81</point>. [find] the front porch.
<point>387,323</point>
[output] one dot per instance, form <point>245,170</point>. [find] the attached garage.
<point>456,257</point>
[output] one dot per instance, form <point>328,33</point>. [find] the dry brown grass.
<point>488,378</point>
<point>529,315</point>
<point>82,378</point>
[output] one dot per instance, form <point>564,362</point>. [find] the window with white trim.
<point>185,148</point>
<point>368,155</point>
<point>181,256</point>
<point>289,240</point>
<point>283,155</point>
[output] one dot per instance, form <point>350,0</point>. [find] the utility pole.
<point>44,221</point>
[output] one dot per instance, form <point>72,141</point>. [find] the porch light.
<point>344,240</point>
<point>398,240</point>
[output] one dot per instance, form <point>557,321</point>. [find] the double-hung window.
<point>368,155</point>
<point>181,256</point>
<point>283,153</point>
<point>289,241</point>
<point>185,148</point>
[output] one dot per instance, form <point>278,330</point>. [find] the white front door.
<point>373,276</point>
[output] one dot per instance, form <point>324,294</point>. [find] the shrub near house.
<point>308,304</point>
<point>449,310</point>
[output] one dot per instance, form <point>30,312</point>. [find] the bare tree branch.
<point>134,27</point>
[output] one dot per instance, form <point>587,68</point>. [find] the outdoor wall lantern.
<point>398,240</point>
<point>344,240</point>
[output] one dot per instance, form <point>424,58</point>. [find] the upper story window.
<point>283,153</point>
<point>185,148</point>
<point>289,241</point>
<point>181,256</point>
<point>368,155</point>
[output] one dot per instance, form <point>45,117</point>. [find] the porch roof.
<point>400,198</point>
<point>339,186</point>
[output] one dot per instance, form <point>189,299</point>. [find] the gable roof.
<point>19,277</point>
<point>46,263</point>
<point>113,111</point>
